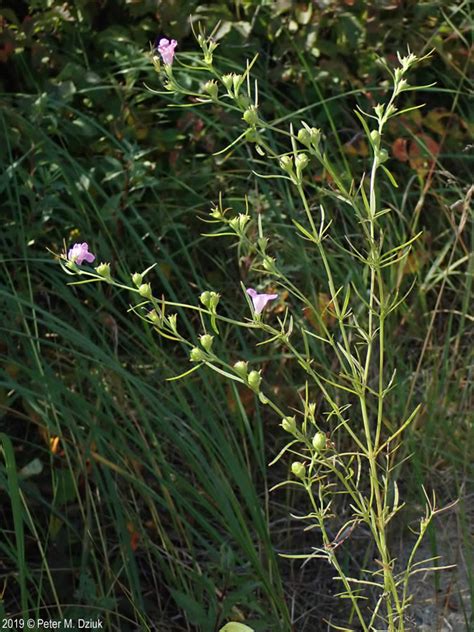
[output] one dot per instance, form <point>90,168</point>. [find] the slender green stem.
<point>333,558</point>
<point>330,279</point>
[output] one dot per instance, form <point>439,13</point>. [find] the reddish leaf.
<point>134,536</point>
<point>399,149</point>
<point>422,153</point>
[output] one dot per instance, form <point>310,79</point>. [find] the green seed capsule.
<point>104,270</point>
<point>211,88</point>
<point>289,424</point>
<point>319,441</point>
<point>137,279</point>
<point>241,368</point>
<point>250,116</point>
<point>196,355</point>
<point>315,137</point>
<point>301,161</point>
<point>286,163</point>
<point>227,81</point>
<point>205,298</point>
<point>214,300</point>
<point>206,341</point>
<point>254,380</point>
<point>145,290</point>
<point>298,469</point>
<point>304,136</point>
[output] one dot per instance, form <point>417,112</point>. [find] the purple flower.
<point>260,300</point>
<point>80,253</point>
<point>166,49</point>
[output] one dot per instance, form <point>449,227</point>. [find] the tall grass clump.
<point>119,499</point>
<point>343,448</point>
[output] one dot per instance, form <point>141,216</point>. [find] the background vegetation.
<point>146,502</point>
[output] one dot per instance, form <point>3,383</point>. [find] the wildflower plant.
<point>338,446</point>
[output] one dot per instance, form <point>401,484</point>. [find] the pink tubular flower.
<point>166,49</point>
<point>80,253</point>
<point>260,300</point>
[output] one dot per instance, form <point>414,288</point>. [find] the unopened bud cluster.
<point>310,137</point>
<point>208,47</point>
<point>294,166</point>
<point>232,83</point>
<point>239,223</point>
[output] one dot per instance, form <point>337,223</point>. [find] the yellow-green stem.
<point>333,559</point>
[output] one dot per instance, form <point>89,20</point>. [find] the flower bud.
<point>378,109</point>
<point>312,409</point>
<point>216,213</point>
<point>205,299</point>
<point>407,61</point>
<point>383,156</point>
<point>375,137</point>
<point>213,300</point>
<point>210,88</point>
<point>104,270</point>
<point>286,163</point>
<point>315,134</point>
<point>206,341</point>
<point>304,137</point>
<point>196,355</point>
<point>250,116</point>
<point>137,279</point>
<point>254,380</point>
<point>269,264</point>
<point>237,82</point>
<point>208,57</point>
<point>289,424</point>
<point>298,469</point>
<point>243,219</point>
<point>241,368</point>
<point>262,243</point>
<point>172,318</point>
<point>234,224</point>
<point>227,80</point>
<point>301,161</point>
<point>154,317</point>
<point>243,102</point>
<point>145,290</point>
<point>391,109</point>
<point>251,135</point>
<point>238,223</point>
<point>319,442</point>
